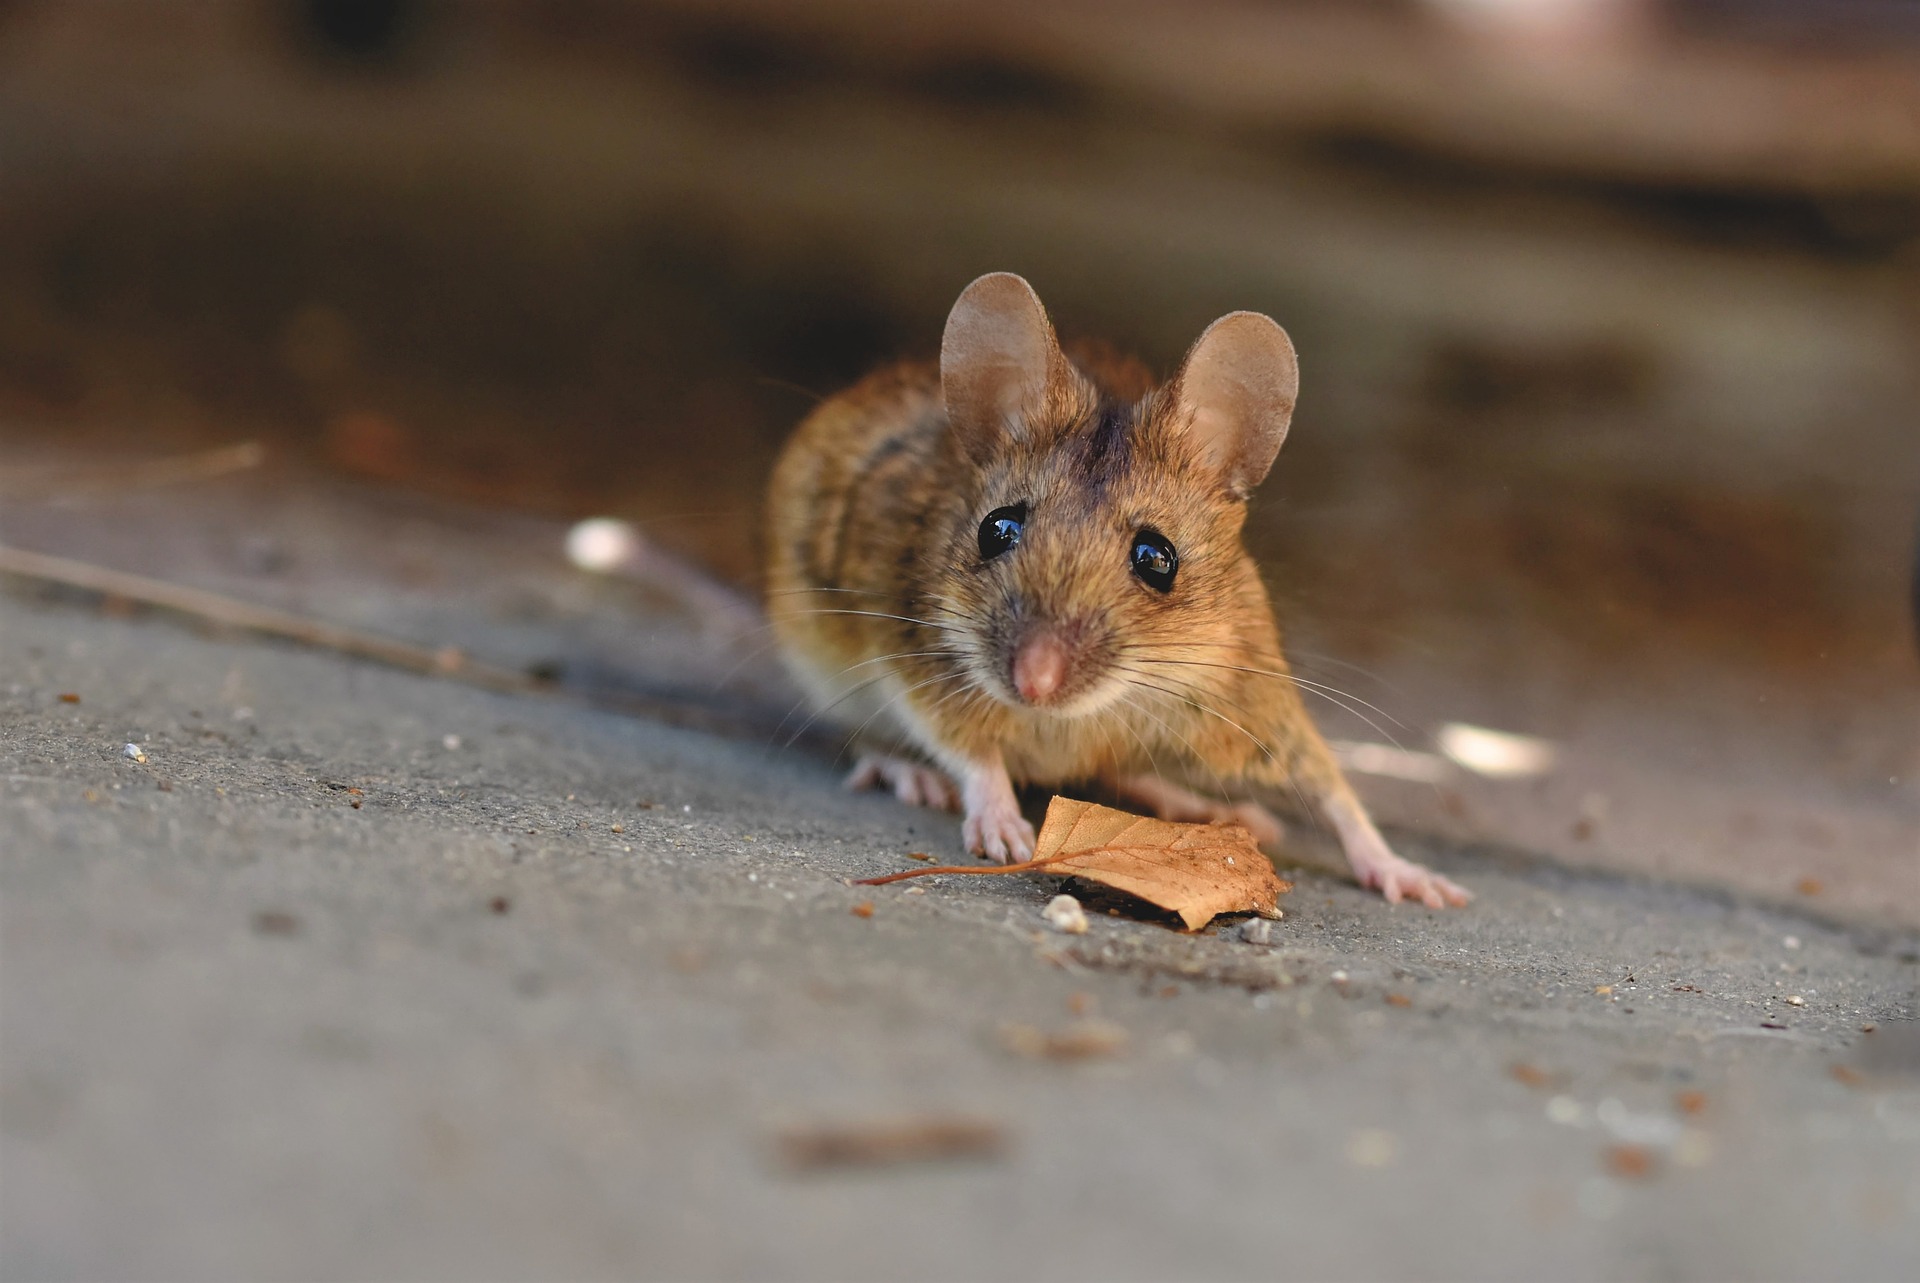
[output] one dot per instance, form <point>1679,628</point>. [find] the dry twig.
<point>231,612</point>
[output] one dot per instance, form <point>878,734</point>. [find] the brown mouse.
<point>1024,566</point>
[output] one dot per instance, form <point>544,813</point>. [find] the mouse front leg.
<point>994,826</point>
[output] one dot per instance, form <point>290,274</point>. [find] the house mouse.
<point>1023,565</point>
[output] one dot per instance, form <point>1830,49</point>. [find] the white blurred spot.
<point>1567,1111</point>
<point>1499,755</point>
<point>1575,26</point>
<point>1637,1129</point>
<point>602,543</point>
<point>1394,763</point>
<point>450,742</point>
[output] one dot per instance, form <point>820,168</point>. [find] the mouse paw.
<point>1399,879</point>
<point>911,782</point>
<point>1000,833</point>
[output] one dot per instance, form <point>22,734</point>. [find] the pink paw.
<point>911,782</point>
<point>1000,833</point>
<point>1399,879</point>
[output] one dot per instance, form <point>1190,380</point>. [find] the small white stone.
<point>450,742</point>
<point>1792,942</point>
<point>1796,1000</point>
<point>135,752</point>
<point>1064,914</point>
<point>1256,931</point>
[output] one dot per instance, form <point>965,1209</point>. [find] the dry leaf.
<point>1195,870</point>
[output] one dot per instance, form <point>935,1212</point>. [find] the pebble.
<point>134,752</point>
<point>1256,931</point>
<point>1064,914</point>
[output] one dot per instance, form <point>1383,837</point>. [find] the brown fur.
<point>874,508</point>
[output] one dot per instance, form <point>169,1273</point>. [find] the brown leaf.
<point>1195,870</point>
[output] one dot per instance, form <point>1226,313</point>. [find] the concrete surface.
<point>248,1029</point>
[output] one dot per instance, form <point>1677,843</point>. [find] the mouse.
<point>1022,566</point>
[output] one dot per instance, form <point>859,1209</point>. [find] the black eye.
<point>1001,530</point>
<point>1154,560</point>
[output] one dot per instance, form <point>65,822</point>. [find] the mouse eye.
<point>1154,560</point>
<point>1001,530</point>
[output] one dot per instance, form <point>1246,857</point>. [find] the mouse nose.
<point>1040,667</point>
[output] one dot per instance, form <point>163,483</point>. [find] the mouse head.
<point>1097,531</point>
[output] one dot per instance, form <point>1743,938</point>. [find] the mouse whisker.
<point>940,606</point>
<point>1184,739</point>
<point>1186,697</point>
<point>875,614</point>
<point>1301,657</point>
<point>1320,688</point>
<point>1334,698</point>
<point>897,697</point>
<point>1301,797</point>
<point>822,712</point>
<point>856,688</point>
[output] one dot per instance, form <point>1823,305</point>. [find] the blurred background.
<point>1608,311</point>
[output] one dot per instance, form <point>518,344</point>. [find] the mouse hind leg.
<point>1171,802</point>
<point>1313,771</point>
<point>914,783</point>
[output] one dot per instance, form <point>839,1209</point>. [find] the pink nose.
<point>1040,667</point>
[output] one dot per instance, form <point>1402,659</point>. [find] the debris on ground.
<point>1064,914</point>
<point>134,753</point>
<point>889,1142</point>
<point>1081,1040</point>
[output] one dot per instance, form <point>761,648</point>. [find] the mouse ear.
<point>1235,394</point>
<point>997,360</point>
